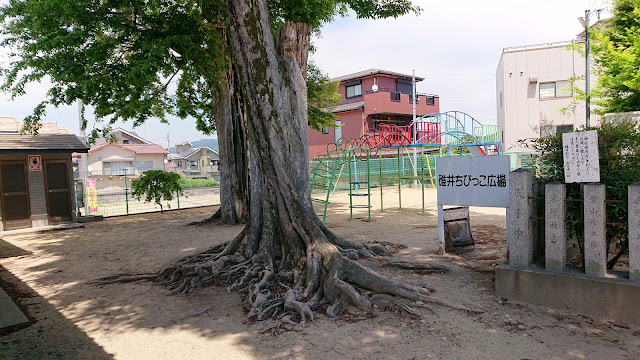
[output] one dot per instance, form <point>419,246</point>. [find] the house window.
<point>555,90</point>
<point>353,89</point>
<point>144,165</point>
<point>126,141</point>
<point>325,130</point>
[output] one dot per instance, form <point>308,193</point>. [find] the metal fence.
<point>113,197</point>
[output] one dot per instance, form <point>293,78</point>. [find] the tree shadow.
<point>138,320</point>
<point>50,335</point>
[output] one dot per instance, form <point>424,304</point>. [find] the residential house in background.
<point>532,85</point>
<point>120,159</point>
<point>9,124</point>
<point>122,136</point>
<point>371,98</point>
<point>195,162</point>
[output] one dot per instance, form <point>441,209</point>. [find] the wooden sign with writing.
<point>581,158</point>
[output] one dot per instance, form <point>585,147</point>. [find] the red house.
<point>371,98</point>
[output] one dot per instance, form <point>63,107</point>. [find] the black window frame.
<point>352,84</point>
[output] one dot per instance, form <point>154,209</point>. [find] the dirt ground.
<point>49,274</point>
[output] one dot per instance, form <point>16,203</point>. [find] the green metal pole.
<point>381,184</point>
<point>175,169</point>
<point>368,185</point>
<point>126,191</point>
<point>350,188</point>
<point>422,176</point>
<point>399,181</point>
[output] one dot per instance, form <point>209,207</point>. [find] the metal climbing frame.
<point>327,171</point>
<point>354,184</point>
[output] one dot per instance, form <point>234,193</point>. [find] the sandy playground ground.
<point>48,274</point>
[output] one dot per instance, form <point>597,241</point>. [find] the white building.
<point>532,86</point>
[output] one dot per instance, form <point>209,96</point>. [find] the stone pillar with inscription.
<point>634,231</point>
<point>520,225</point>
<point>555,234</point>
<point>595,240</point>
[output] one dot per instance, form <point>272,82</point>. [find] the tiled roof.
<point>51,143</point>
<point>372,72</point>
<point>185,154</point>
<point>348,107</point>
<point>173,168</point>
<point>135,148</point>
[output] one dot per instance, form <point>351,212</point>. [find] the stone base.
<point>612,297</point>
<point>89,218</point>
<point>39,220</point>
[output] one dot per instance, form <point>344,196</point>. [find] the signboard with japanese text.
<point>581,158</point>
<point>35,163</point>
<point>92,196</point>
<point>473,180</point>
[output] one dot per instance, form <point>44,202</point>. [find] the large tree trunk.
<point>286,259</point>
<point>234,164</point>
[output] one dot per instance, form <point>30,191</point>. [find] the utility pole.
<point>587,65</point>
<point>587,71</point>
<point>168,143</point>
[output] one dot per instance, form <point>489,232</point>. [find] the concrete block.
<point>39,220</point>
<point>634,231</point>
<point>612,297</point>
<point>595,240</point>
<point>519,223</point>
<point>555,230</point>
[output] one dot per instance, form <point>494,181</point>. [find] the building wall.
<point>95,158</point>
<point>352,127</point>
<point>521,111</point>
<point>37,188</point>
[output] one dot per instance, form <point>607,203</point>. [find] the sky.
<point>455,45</point>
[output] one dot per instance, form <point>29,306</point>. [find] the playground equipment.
<point>324,176</point>
<point>439,131</point>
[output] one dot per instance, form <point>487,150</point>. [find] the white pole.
<point>415,150</point>
<point>587,72</point>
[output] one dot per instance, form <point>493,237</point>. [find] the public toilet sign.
<point>35,163</point>
<point>581,158</point>
<point>473,180</point>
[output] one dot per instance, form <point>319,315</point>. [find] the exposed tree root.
<point>292,292</point>
<point>420,267</point>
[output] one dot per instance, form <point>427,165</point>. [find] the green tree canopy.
<point>156,186</point>
<point>132,60</point>
<point>616,56</point>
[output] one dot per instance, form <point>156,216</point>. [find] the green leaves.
<point>322,97</point>
<point>156,186</point>
<point>134,60</point>
<point>616,56</point>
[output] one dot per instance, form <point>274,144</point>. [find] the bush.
<point>197,183</point>
<point>619,151</point>
<point>156,185</point>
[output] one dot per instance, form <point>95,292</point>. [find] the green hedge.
<point>197,183</point>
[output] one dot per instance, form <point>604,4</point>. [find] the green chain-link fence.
<point>113,196</point>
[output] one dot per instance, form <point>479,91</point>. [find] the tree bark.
<point>232,142</point>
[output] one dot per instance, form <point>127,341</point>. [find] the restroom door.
<point>15,196</point>
<point>57,185</point>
